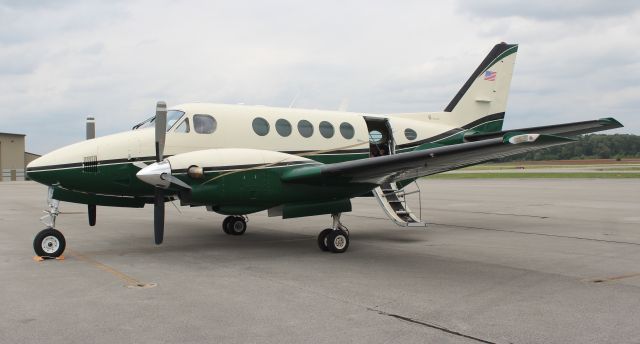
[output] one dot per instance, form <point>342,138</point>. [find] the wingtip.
<point>611,122</point>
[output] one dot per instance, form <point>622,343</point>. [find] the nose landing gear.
<point>49,242</point>
<point>336,238</point>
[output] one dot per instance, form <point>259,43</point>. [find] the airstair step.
<point>392,200</point>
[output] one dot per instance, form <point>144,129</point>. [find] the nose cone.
<point>156,174</point>
<point>63,165</point>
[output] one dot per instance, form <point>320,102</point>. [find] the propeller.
<point>91,134</point>
<point>158,204</point>
<point>158,174</point>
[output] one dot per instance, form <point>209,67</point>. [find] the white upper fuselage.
<point>234,130</point>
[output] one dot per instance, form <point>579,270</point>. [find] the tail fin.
<point>481,102</point>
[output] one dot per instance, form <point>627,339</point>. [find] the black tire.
<point>322,239</point>
<point>49,243</point>
<point>237,226</point>
<point>225,224</point>
<point>338,241</point>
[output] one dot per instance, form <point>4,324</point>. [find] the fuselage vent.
<point>90,164</point>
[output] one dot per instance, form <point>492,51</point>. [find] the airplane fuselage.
<point>108,165</point>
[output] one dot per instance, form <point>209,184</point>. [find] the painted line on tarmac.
<point>440,328</point>
<point>508,231</point>
<point>131,282</point>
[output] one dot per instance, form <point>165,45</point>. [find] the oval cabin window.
<point>326,129</point>
<point>260,126</point>
<point>283,127</point>
<point>305,128</point>
<point>410,134</point>
<point>346,130</point>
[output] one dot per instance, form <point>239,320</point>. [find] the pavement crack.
<point>433,326</point>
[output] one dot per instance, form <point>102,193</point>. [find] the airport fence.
<point>12,175</point>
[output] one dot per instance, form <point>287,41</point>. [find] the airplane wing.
<point>403,166</point>
<point>567,129</point>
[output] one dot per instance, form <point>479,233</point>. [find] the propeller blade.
<point>161,129</point>
<point>91,128</point>
<point>176,181</point>
<point>91,134</point>
<point>158,217</point>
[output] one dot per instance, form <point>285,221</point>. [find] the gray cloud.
<point>549,9</point>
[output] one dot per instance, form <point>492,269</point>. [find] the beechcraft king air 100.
<point>237,160</point>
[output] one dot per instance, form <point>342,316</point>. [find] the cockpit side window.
<point>183,127</point>
<point>204,124</point>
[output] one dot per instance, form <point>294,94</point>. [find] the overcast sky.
<point>63,60</point>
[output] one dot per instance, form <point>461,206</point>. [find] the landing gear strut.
<point>235,225</point>
<point>49,242</point>
<point>336,238</point>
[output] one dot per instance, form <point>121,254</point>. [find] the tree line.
<point>593,146</point>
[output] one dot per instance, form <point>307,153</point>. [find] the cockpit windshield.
<point>172,117</point>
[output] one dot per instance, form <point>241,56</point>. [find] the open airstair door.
<point>392,200</point>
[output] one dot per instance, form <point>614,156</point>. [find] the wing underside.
<point>426,162</point>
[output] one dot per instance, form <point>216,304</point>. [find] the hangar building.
<point>13,158</point>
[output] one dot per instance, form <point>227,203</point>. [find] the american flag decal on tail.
<point>489,75</point>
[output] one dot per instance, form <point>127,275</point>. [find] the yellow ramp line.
<point>131,282</point>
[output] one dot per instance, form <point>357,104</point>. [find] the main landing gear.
<point>49,242</point>
<point>235,225</point>
<point>336,238</point>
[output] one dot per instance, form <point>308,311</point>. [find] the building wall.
<point>29,157</point>
<point>12,155</point>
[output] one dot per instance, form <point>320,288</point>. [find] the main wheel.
<point>337,241</point>
<point>225,224</point>
<point>322,239</point>
<point>49,243</point>
<point>237,226</point>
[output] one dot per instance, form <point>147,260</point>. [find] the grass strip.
<point>521,175</point>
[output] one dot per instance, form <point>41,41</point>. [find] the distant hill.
<point>594,146</point>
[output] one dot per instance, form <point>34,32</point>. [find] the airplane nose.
<point>156,174</point>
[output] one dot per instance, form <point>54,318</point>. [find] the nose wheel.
<point>335,239</point>
<point>234,225</point>
<point>49,243</point>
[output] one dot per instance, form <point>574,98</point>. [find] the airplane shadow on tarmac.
<point>207,239</point>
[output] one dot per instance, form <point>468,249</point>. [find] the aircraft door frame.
<point>382,126</point>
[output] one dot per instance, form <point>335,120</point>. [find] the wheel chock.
<point>41,258</point>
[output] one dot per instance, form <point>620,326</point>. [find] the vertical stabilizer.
<point>481,102</point>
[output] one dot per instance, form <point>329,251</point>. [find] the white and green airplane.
<point>237,160</point>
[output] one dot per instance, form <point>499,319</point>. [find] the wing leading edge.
<point>403,166</point>
<point>566,129</point>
